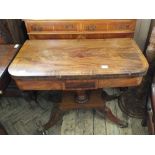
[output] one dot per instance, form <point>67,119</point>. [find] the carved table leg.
<point>82,101</point>
<point>108,113</point>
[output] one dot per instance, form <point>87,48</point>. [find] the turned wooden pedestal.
<point>82,100</point>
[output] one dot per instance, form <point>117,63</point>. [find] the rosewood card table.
<point>80,68</point>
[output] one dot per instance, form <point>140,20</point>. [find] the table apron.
<point>32,84</point>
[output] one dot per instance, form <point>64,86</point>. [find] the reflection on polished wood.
<point>79,65</point>
<point>79,59</point>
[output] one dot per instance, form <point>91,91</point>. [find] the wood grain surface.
<point>49,84</point>
<point>67,59</point>
<point>75,29</point>
<point>7,53</point>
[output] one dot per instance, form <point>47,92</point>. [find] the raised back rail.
<point>78,29</point>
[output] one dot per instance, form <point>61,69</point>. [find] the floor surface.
<point>22,118</point>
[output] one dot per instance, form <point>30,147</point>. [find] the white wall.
<point>141,32</point>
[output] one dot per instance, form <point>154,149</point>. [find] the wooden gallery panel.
<point>78,29</point>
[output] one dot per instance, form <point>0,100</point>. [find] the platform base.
<point>95,101</point>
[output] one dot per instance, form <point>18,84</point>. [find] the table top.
<point>7,53</point>
<point>86,58</point>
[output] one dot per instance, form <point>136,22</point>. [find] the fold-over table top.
<point>87,58</point>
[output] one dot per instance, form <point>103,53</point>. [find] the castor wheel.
<point>123,124</point>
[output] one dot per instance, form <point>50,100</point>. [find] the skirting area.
<point>22,118</point>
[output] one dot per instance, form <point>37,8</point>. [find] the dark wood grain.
<point>12,31</point>
<point>79,84</point>
<point>64,59</point>
<point>7,53</point>
<point>47,84</point>
<point>5,35</point>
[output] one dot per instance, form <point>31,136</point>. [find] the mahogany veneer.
<point>81,58</point>
<point>75,29</point>
<point>78,65</point>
